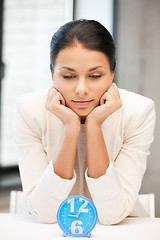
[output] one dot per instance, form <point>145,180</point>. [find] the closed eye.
<point>69,76</point>
<point>95,76</point>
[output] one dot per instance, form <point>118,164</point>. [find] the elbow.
<point>43,213</point>
<point>112,211</point>
<point>44,218</point>
<point>112,219</point>
<point>110,216</point>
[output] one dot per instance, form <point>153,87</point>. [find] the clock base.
<point>64,234</point>
<point>87,235</point>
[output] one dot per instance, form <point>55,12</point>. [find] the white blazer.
<point>128,134</point>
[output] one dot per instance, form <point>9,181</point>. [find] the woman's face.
<point>82,76</point>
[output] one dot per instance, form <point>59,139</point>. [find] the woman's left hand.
<point>110,102</point>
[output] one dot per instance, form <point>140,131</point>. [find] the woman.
<point>85,136</point>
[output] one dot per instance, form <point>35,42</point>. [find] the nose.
<point>81,87</point>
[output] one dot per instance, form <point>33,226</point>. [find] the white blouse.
<point>127,133</point>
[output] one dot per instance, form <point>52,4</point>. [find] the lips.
<point>82,103</point>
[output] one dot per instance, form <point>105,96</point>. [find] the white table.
<point>26,227</point>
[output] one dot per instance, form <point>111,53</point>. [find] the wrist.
<point>73,127</point>
<point>91,122</point>
<point>92,125</point>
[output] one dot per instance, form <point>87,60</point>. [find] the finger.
<point>53,102</point>
<point>58,99</point>
<point>51,93</point>
<point>105,98</point>
<point>115,88</point>
<point>52,88</point>
<point>54,91</point>
<point>111,92</point>
<point>102,100</point>
<point>115,91</point>
<point>117,94</point>
<point>114,84</point>
<point>62,100</point>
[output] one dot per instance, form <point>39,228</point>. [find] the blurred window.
<point>28,26</point>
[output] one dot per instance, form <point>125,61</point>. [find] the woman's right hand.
<point>56,105</point>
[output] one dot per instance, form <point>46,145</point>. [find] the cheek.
<point>64,90</point>
<point>56,84</point>
<point>60,86</point>
<point>101,90</point>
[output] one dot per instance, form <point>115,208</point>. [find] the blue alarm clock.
<point>77,216</point>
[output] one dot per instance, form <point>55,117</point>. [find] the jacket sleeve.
<point>43,189</point>
<point>115,193</point>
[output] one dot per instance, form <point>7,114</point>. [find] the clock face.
<point>77,216</point>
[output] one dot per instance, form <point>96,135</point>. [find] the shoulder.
<point>32,97</point>
<point>137,110</point>
<point>135,103</point>
<point>32,102</point>
<point>30,110</point>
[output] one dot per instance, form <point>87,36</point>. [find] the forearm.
<point>64,160</point>
<point>97,155</point>
<point>44,199</point>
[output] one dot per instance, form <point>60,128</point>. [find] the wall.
<point>138,64</point>
<point>101,11</point>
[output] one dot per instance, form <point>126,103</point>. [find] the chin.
<point>83,113</point>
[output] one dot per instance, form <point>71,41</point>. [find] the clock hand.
<point>81,208</point>
<point>79,211</point>
<point>70,215</point>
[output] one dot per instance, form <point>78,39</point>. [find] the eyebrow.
<point>68,68</point>
<point>94,68</point>
<point>72,70</point>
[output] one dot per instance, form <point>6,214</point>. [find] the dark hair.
<point>90,33</point>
